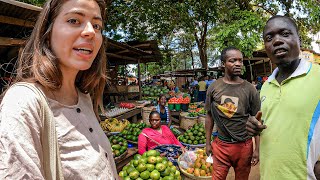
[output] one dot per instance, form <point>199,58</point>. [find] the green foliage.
<point>242,30</point>
<point>34,2</point>
<point>195,31</point>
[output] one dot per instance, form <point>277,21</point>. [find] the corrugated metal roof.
<point>19,10</point>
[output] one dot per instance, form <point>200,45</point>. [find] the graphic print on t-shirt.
<point>228,105</point>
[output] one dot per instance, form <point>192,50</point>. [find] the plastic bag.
<point>187,159</point>
<point>172,152</point>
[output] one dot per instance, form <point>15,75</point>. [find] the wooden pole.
<point>251,75</point>
<point>139,79</point>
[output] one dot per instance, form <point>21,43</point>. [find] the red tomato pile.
<point>179,100</point>
<point>127,105</point>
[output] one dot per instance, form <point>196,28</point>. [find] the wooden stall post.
<point>139,79</point>
<point>251,75</point>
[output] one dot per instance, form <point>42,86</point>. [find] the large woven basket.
<point>202,119</point>
<point>145,114</point>
<point>187,122</point>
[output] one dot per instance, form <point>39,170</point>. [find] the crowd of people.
<point>49,117</point>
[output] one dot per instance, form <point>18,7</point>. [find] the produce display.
<point>116,111</point>
<point>179,100</point>
<point>193,114</point>
<point>154,91</point>
<point>195,135</point>
<point>194,111</point>
<point>199,167</point>
<point>132,131</point>
<point>119,145</point>
<point>113,124</point>
<point>175,131</point>
<point>202,111</point>
<point>150,166</point>
<point>193,106</point>
<point>127,105</point>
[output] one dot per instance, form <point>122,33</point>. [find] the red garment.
<point>167,137</point>
<point>237,155</point>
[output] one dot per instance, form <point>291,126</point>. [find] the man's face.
<point>233,63</point>
<point>281,41</point>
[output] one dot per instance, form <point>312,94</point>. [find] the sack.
<point>51,156</point>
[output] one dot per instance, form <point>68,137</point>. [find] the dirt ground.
<point>254,174</point>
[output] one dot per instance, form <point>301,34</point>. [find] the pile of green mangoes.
<point>195,135</point>
<point>118,144</point>
<point>150,166</point>
<point>132,131</point>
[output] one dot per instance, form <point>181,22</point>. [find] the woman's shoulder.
<point>24,92</point>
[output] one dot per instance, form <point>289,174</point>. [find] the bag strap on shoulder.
<point>51,155</point>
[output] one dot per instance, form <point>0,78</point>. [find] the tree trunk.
<point>202,45</point>
<point>192,60</point>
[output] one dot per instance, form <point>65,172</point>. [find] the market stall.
<point>16,21</point>
<point>121,119</point>
<point>260,65</point>
<point>120,55</point>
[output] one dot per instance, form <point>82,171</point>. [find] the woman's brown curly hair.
<point>38,63</point>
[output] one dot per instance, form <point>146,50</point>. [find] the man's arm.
<point>255,156</point>
<point>208,126</point>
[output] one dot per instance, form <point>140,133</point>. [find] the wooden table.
<point>132,113</point>
<point>127,159</point>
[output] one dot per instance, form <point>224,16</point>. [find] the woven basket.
<point>202,119</point>
<point>191,176</point>
<point>145,114</point>
<point>187,122</point>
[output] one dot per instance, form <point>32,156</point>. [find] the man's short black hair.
<point>223,55</point>
<point>283,17</point>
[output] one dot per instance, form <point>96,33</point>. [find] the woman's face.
<point>155,121</point>
<point>162,101</point>
<point>76,34</point>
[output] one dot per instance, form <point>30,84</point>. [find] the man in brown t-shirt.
<point>230,102</point>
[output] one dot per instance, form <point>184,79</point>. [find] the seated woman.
<point>163,110</point>
<point>157,135</point>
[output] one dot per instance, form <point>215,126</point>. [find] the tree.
<point>155,19</point>
<point>208,25</point>
<point>214,24</point>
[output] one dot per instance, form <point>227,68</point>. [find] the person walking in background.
<point>202,90</point>
<point>210,81</point>
<point>195,89</point>
<point>259,83</point>
<point>60,81</point>
<point>290,133</point>
<point>230,102</point>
